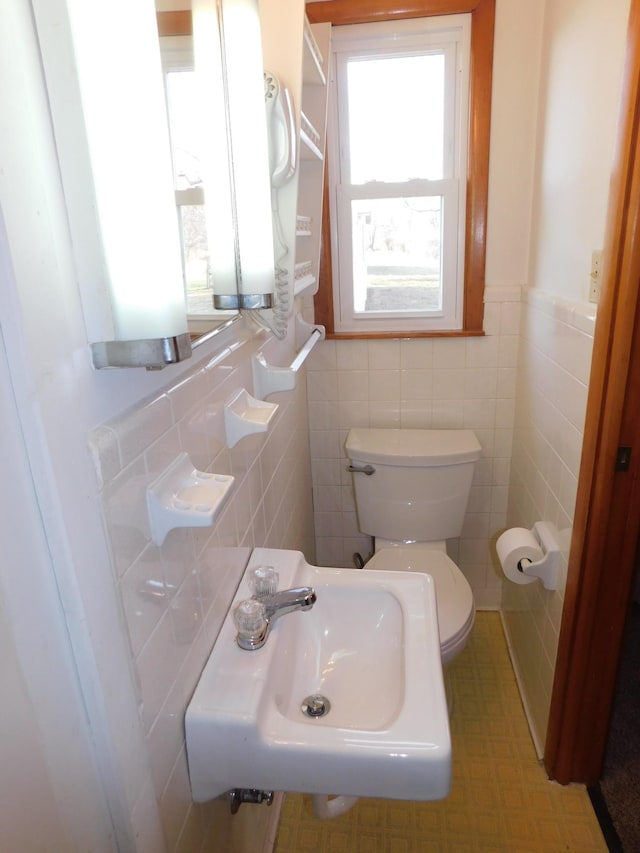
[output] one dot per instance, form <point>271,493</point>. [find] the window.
<point>428,214</point>
<point>397,169</point>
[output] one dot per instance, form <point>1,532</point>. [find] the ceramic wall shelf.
<point>244,415</point>
<point>185,497</point>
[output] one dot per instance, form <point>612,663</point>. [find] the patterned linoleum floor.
<point>501,800</point>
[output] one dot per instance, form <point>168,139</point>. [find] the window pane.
<point>397,254</point>
<point>195,256</point>
<point>396,118</point>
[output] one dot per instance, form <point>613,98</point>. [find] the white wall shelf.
<point>244,415</point>
<point>185,497</point>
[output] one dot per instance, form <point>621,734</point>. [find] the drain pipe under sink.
<point>326,806</point>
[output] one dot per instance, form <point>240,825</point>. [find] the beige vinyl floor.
<point>500,800</point>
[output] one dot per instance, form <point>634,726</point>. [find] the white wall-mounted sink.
<point>370,645</point>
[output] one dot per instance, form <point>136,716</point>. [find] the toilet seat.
<point>454,598</point>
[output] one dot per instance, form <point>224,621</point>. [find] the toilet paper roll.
<point>514,545</point>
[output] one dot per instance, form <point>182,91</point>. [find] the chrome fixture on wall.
<point>115,165</point>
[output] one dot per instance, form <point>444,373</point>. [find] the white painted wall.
<point>583,52</point>
<point>514,115</point>
<point>46,757</point>
<point>57,397</point>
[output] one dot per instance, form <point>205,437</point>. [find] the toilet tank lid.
<point>413,446</point>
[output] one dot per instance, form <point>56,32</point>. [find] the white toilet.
<point>411,489</point>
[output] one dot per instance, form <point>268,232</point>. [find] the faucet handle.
<point>263,581</point>
<point>250,620</point>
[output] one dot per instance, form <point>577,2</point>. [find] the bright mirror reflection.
<point>184,110</point>
<point>182,103</point>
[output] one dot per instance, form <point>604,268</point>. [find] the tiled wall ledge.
<point>580,315</point>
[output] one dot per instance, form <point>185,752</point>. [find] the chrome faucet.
<point>254,617</point>
<point>287,600</point>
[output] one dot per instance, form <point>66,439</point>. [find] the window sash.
<point>448,48</point>
<point>450,315</point>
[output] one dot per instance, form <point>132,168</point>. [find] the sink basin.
<point>320,655</point>
<point>370,650</point>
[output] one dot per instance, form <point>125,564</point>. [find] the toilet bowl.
<point>411,491</point>
<point>456,609</point>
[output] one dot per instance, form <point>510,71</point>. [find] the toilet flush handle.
<point>361,469</point>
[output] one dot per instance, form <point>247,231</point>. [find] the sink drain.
<point>316,705</point>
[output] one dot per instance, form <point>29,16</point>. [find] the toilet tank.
<point>421,482</point>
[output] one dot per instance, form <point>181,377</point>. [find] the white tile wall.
<point>174,597</point>
<point>555,360</point>
<point>443,383</point>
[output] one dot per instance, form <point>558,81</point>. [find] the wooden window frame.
<point>175,23</point>
<point>341,12</point>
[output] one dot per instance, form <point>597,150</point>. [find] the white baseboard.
<point>537,742</point>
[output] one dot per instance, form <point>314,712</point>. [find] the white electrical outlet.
<point>595,279</point>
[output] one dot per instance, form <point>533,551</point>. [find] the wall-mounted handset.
<point>281,125</point>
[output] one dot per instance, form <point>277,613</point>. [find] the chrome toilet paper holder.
<point>548,566</point>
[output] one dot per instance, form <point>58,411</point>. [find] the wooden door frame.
<point>607,516</point>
